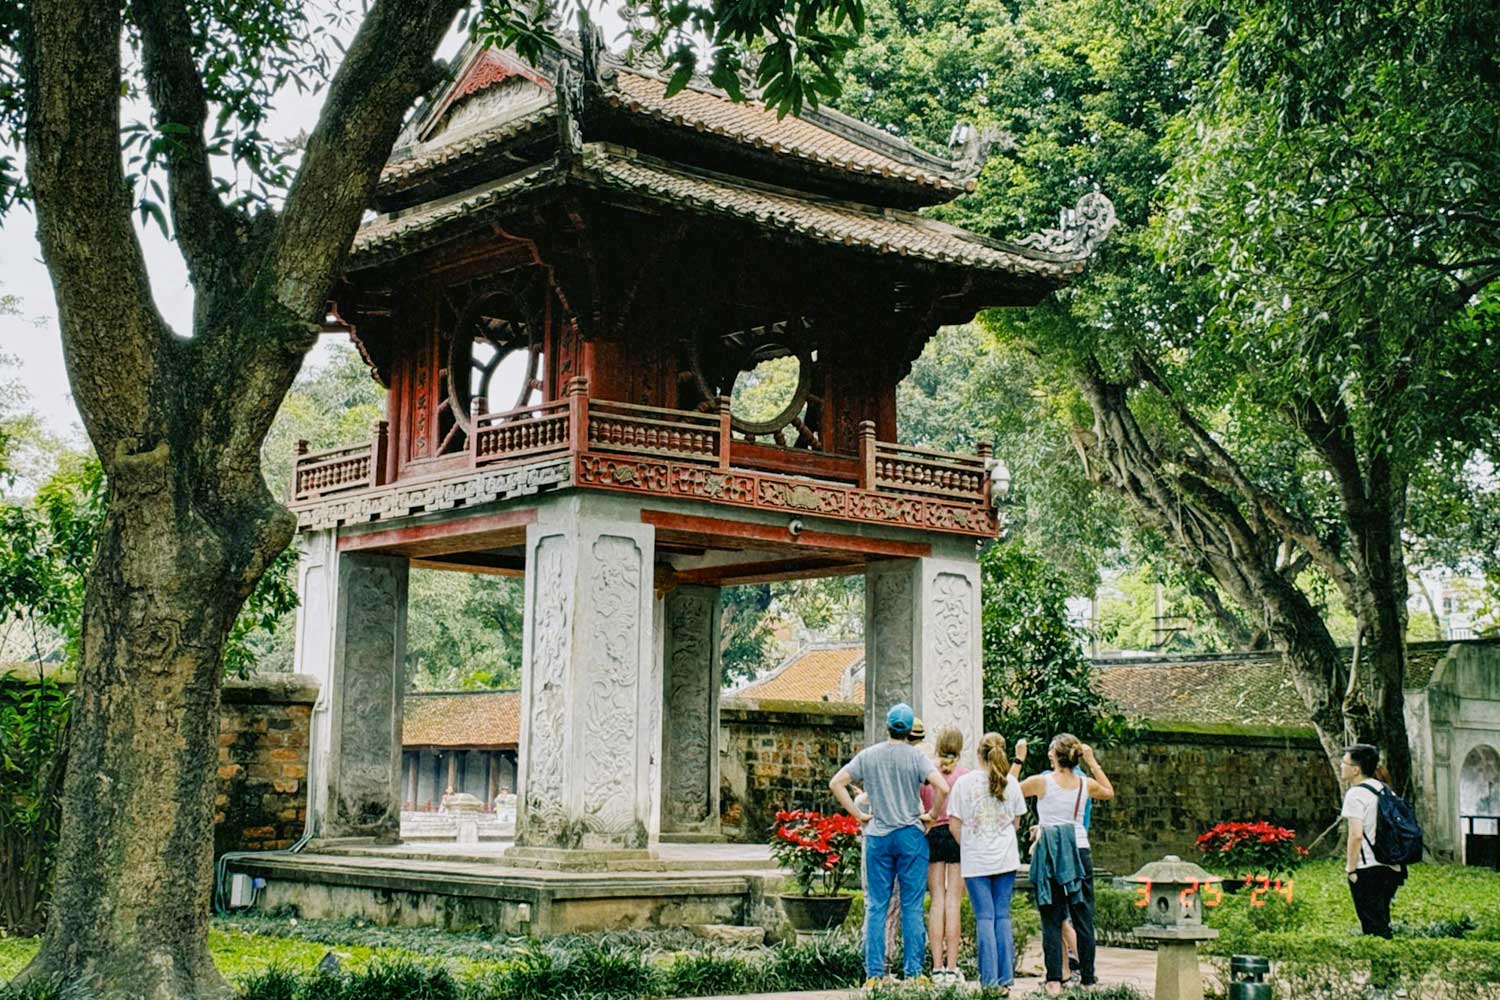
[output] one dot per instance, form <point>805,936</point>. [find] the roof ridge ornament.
<point>1081,229</point>
<point>570,97</point>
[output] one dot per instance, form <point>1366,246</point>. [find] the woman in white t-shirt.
<point>983,813</point>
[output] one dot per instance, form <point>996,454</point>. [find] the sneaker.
<point>920,981</point>
<point>957,975</point>
<point>874,982</point>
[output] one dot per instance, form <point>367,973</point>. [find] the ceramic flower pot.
<point>816,913</point>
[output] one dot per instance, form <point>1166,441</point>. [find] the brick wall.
<point>263,745</point>
<point>1179,780</point>
<point>1176,782</point>
<point>779,755</point>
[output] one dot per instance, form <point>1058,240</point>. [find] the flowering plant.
<point>820,850</point>
<point>1251,847</point>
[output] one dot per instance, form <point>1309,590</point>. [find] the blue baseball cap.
<point>899,719</point>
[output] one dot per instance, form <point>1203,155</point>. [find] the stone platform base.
<point>413,886</point>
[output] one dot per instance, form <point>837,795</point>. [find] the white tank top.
<point>1061,806</point>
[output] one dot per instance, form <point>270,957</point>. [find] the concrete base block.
<point>1178,976</point>
<point>559,859</point>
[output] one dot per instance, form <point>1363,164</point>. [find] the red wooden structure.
<point>620,259</point>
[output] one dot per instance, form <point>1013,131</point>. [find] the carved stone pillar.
<point>692,675</point>
<point>922,644</point>
<point>352,636</point>
<point>590,689</point>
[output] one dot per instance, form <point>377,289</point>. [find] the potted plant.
<point>821,852</point>
<point>1243,851</point>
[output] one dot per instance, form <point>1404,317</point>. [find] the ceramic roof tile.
<point>471,143</point>
<point>753,123</point>
<point>815,674</point>
<point>462,719</point>
<point>1252,689</point>
<point>881,230</point>
<point>885,231</point>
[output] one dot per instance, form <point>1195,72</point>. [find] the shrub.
<point>1251,848</point>
<point>709,973</point>
<point>836,962</point>
<point>33,738</point>
<point>821,850</point>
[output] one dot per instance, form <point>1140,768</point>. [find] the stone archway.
<point>1479,806</point>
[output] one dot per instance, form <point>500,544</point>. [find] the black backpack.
<point>1398,835</point>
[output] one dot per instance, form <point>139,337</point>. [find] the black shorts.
<point>941,847</point>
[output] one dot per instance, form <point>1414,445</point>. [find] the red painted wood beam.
<point>777,536</point>
<point>462,534</point>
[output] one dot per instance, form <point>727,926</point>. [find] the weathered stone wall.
<point>1180,779</point>
<point>263,744</point>
<point>1172,785</point>
<point>779,755</point>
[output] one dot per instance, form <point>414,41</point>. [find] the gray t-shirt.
<point>891,775</point>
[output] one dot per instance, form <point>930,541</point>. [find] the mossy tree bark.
<point>178,423</point>
<point>1189,489</point>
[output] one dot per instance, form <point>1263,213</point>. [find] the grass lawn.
<point>240,954</point>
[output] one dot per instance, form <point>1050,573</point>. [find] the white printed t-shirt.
<point>1361,803</point>
<point>987,844</point>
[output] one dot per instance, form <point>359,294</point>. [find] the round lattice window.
<point>496,348</point>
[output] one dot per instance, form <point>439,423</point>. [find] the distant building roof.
<point>1249,688</point>
<point>820,672</point>
<point>462,719</point>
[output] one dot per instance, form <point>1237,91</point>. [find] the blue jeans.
<point>897,857</point>
<point>989,895</point>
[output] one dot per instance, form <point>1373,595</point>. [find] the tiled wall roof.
<point>462,719</point>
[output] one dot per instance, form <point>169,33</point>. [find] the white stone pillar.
<point>922,644</point>
<point>692,676</point>
<point>351,636</point>
<point>590,690</point>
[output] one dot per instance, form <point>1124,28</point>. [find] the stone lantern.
<point>1174,902</point>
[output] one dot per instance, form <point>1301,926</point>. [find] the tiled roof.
<point>838,223</point>
<point>754,124</point>
<point>472,142</point>
<point>814,674</point>
<point>886,231</point>
<point>1254,689</point>
<point>462,719</point>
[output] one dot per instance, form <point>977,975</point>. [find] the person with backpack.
<point>1384,838</point>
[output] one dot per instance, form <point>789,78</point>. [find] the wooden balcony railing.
<point>904,468</point>
<point>577,424</point>
<point>340,470</point>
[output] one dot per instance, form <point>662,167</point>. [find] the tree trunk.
<point>130,914</point>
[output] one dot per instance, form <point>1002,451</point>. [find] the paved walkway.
<point>1116,966</point>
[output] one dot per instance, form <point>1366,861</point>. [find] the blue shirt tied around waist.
<point>1055,860</point>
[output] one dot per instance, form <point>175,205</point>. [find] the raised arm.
<point>1018,759</point>
<point>1101,789</point>
<point>840,788</point>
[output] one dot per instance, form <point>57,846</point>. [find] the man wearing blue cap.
<point>892,774</point>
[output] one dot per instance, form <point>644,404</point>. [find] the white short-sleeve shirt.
<point>987,844</point>
<point>1361,803</point>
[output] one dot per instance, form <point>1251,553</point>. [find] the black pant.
<point>1373,890</point>
<point>1081,914</point>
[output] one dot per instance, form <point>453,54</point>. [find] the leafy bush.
<point>710,973</point>
<point>819,849</point>
<point>836,962</point>
<point>33,738</point>
<point>1037,680</point>
<point>1251,848</point>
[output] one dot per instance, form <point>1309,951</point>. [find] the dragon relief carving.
<point>953,616</point>
<point>613,672</point>
<point>550,650</point>
<point>689,706</point>
<point>1079,232</point>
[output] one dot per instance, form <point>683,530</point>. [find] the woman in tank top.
<point>1060,799</point>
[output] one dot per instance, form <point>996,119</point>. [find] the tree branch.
<point>112,335</point>
<point>389,65</point>
<point>1284,520</point>
<point>204,226</point>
